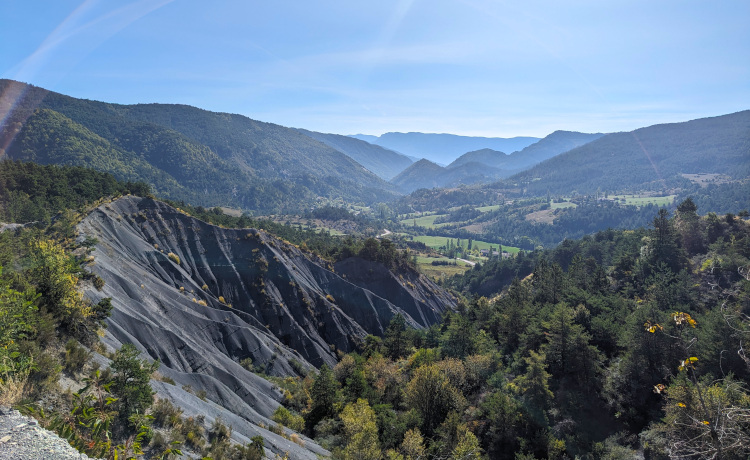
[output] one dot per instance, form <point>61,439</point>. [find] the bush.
<point>174,257</point>
<point>75,357</point>
<point>288,419</point>
<point>247,363</point>
<point>98,283</point>
<point>165,413</point>
<point>191,429</point>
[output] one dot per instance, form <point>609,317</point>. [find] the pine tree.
<point>322,396</point>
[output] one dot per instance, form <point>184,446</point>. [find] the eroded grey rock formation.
<point>200,298</point>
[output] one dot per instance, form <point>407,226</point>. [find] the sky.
<point>469,67</point>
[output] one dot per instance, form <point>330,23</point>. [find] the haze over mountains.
<point>487,165</point>
<point>219,159</point>
<point>382,161</point>
<point>444,148</point>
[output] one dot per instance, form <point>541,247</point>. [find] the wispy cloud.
<point>90,24</point>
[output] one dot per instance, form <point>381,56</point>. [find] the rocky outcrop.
<point>201,298</point>
<point>22,438</point>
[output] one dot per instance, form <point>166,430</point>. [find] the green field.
<point>494,207</point>
<point>566,204</point>
<point>424,264</point>
<point>438,241</point>
<point>424,221</point>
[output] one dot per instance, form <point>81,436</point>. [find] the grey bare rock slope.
<point>238,294</point>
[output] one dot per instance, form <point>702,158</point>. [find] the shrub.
<point>54,273</point>
<point>192,432</point>
<point>174,257</point>
<point>12,382</point>
<point>288,419</point>
<point>330,298</point>
<point>247,363</point>
<point>75,357</point>
<point>165,413</point>
<point>98,283</point>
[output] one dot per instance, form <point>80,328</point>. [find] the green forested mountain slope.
<point>185,153</point>
<point>648,158</point>
<point>34,193</point>
<point>385,163</point>
<point>488,157</point>
<point>426,174</point>
<point>548,147</point>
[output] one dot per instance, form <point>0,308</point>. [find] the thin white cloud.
<point>92,32</point>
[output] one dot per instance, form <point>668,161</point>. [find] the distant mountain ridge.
<point>487,165</point>
<point>653,157</point>
<point>444,148</point>
<point>185,153</point>
<point>385,163</point>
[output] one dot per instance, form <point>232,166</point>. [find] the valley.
<point>279,291</point>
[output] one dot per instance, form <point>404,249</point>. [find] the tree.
<point>130,382</point>
<point>361,431</point>
<point>395,341</point>
<point>432,395</point>
<point>688,224</point>
<point>533,386</point>
<point>460,338</point>
<point>54,273</point>
<point>666,242</point>
<point>413,445</point>
<point>322,398</point>
<point>567,349</point>
<point>512,317</point>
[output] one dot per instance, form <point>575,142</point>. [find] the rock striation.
<point>201,298</point>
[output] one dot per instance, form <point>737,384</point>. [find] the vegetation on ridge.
<point>582,359</point>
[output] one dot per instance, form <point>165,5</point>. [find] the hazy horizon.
<point>474,68</point>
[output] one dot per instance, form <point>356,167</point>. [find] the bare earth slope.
<point>263,299</point>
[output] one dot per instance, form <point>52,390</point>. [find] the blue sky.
<point>472,67</point>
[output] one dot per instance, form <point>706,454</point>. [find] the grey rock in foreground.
<point>21,438</point>
<point>201,299</point>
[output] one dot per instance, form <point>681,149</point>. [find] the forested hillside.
<point>621,345</point>
<point>652,158</point>
<point>185,153</point>
<point>426,174</point>
<point>380,160</point>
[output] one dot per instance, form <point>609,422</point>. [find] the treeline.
<point>508,225</point>
<point>621,344</point>
<point>321,243</point>
<point>732,197</point>
<point>30,192</point>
